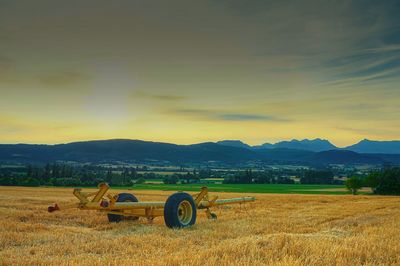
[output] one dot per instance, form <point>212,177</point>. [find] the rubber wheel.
<point>180,211</point>
<point>122,197</point>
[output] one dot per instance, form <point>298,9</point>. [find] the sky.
<point>195,71</point>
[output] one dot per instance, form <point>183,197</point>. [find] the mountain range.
<point>318,145</point>
<point>315,151</point>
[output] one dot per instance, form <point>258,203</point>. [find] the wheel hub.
<point>185,212</point>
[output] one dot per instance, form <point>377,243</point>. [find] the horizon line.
<point>133,139</point>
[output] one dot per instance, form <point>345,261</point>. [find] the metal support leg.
<point>210,215</point>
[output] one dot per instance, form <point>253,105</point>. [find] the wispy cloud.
<point>363,67</point>
<point>384,48</point>
<point>342,42</point>
<point>161,97</point>
<point>227,116</point>
<point>62,78</point>
<point>386,132</point>
<point>248,117</point>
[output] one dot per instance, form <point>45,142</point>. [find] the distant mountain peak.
<point>316,145</point>
<point>265,145</point>
<point>313,140</point>
<point>234,143</point>
<point>376,146</point>
<point>305,144</point>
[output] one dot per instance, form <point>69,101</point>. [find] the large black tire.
<point>180,211</point>
<point>122,197</point>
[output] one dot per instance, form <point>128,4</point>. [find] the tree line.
<point>383,182</point>
<point>274,177</point>
<point>90,175</point>
<point>67,175</point>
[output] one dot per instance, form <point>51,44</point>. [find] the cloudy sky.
<point>194,71</point>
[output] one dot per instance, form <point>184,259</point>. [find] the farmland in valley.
<point>252,188</point>
<point>278,229</point>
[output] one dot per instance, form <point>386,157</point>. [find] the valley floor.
<point>277,229</point>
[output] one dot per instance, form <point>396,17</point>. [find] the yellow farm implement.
<point>180,209</point>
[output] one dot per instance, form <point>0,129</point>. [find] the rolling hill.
<point>144,151</point>
<point>124,150</point>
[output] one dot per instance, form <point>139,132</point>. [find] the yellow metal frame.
<point>150,210</point>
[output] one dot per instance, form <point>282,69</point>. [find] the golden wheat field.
<point>274,230</point>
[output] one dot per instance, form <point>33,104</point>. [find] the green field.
<point>252,188</point>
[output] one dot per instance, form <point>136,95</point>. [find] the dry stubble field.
<point>277,229</point>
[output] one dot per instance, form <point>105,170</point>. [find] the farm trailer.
<point>180,209</point>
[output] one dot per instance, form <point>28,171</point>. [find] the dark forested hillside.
<point>124,150</point>
<point>138,150</point>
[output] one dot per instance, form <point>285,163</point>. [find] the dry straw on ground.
<point>276,230</point>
